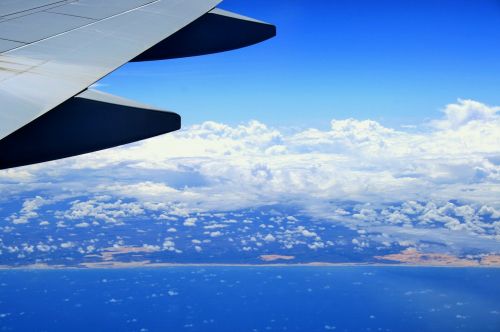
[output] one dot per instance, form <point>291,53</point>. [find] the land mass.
<point>109,259</point>
<point>412,257</point>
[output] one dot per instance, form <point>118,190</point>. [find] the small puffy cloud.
<point>169,245</point>
<point>33,204</point>
<point>269,238</point>
<point>29,210</point>
<point>308,233</point>
<point>43,247</point>
<point>316,245</point>
<point>190,222</point>
<point>67,245</point>
<point>150,248</point>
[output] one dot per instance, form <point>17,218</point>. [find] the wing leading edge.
<point>44,115</point>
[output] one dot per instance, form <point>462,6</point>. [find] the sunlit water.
<point>252,299</point>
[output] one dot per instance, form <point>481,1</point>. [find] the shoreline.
<point>141,265</point>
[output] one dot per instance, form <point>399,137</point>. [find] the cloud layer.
<point>444,174</point>
<point>457,157</point>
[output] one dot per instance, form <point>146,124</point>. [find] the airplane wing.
<point>52,51</point>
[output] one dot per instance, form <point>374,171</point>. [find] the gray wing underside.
<point>52,51</point>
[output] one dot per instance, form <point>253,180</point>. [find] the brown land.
<point>271,258</point>
<point>408,257</point>
<point>411,256</point>
<point>109,254</point>
<point>491,260</point>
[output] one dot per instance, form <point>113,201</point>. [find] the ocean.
<point>238,299</point>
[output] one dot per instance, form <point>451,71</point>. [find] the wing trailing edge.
<point>89,122</point>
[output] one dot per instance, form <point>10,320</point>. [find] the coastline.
<point>143,265</point>
<point>409,257</point>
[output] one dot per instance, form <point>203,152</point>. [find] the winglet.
<point>216,31</point>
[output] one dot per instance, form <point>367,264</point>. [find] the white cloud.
<point>190,222</point>
<point>169,245</point>
<point>252,165</point>
<point>29,210</point>
<point>307,233</point>
<point>269,238</point>
<point>358,160</point>
<point>101,208</point>
<point>466,111</point>
<point>67,245</point>
<point>43,247</point>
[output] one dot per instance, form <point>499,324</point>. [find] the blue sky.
<point>397,62</point>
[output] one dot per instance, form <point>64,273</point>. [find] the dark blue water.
<point>252,299</point>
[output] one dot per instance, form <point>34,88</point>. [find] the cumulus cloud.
<point>101,208</point>
<point>269,238</point>
<point>169,245</point>
<point>464,112</point>
<point>29,210</point>
<point>225,167</point>
<point>190,222</point>
<point>362,160</point>
<point>67,245</point>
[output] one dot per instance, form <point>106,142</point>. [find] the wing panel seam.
<point>49,6</point>
<point>71,15</point>
<point>80,27</point>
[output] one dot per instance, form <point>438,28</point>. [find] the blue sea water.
<point>251,299</point>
